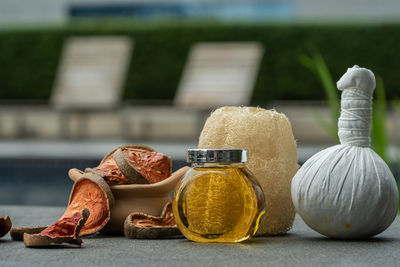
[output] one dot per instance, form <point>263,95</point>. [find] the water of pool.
<point>42,181</point>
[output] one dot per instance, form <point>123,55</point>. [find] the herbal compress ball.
<point>347,191</point>
<point>268,137</point>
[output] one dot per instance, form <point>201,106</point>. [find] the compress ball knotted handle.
<point>354,124</point>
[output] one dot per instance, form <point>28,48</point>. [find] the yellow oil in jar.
<point>218,204</point>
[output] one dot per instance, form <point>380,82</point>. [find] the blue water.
<point>41,181</point>
<point>229,11</point>
<point>45,181</point>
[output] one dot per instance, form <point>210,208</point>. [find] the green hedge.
<point>29,58</point>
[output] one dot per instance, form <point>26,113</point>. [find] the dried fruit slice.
<point>65,230</point>
<point>109,170</point>
<point>143,226</point>
<point>143,166</point>
<point>5,225</point>
<point>17,233</point>
<point>92,192</point>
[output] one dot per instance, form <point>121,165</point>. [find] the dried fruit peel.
<point>119,173</point>
<point>143,226</point>
<point>65,230</point>
<point>123,164</point>
<point>147,148</point>
<point>137,164</point>
<point>109,171</point>
<point>89,192</point>
<point>268,136</point>
<point>5,225</point>
<point>93,192</point>
<point>17,233</point>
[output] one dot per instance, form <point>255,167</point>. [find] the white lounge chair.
<point>92,72</point>
<point>219,74</point>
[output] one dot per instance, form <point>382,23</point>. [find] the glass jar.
<point>218,199</point>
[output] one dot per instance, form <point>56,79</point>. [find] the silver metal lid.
<point>217,155</point>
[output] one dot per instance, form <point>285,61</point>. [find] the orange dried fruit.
<point>143,226</point>
<point>17,233</point>
<point>65,230</point>
<point>143,165</point>
<point>92,192</point>
<point>5,225</point>
<point>110,171</point>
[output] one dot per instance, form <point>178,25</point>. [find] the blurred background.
<point>80,77</point>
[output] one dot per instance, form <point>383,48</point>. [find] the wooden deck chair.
<point>219,74</point>
<point>91,72</point>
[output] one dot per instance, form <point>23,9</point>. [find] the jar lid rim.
<point>234,155</point>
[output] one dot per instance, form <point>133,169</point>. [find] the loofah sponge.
<point>268,136</point>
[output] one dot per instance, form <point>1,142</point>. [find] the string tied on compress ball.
<point>356,107</point>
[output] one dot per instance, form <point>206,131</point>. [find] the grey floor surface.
<point>300,247</point>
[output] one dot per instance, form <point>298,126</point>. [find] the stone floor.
<point>300,247</point>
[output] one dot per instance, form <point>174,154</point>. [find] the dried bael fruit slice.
<point>65,230</point>
<point>5,225</point>
<point>92,192</point>
<point>142,226</point>
<point>143,166</point>
<point>17,233</point>
<point>110,171</point>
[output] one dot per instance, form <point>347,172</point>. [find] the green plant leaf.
<point>328,84</point>
<point>378,129</point>
<point>307,62</point>
<point>328,126</point>
<point>316,64</point>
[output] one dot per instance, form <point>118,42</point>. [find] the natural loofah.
<point>211,194</point>
<point>268,137</point>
